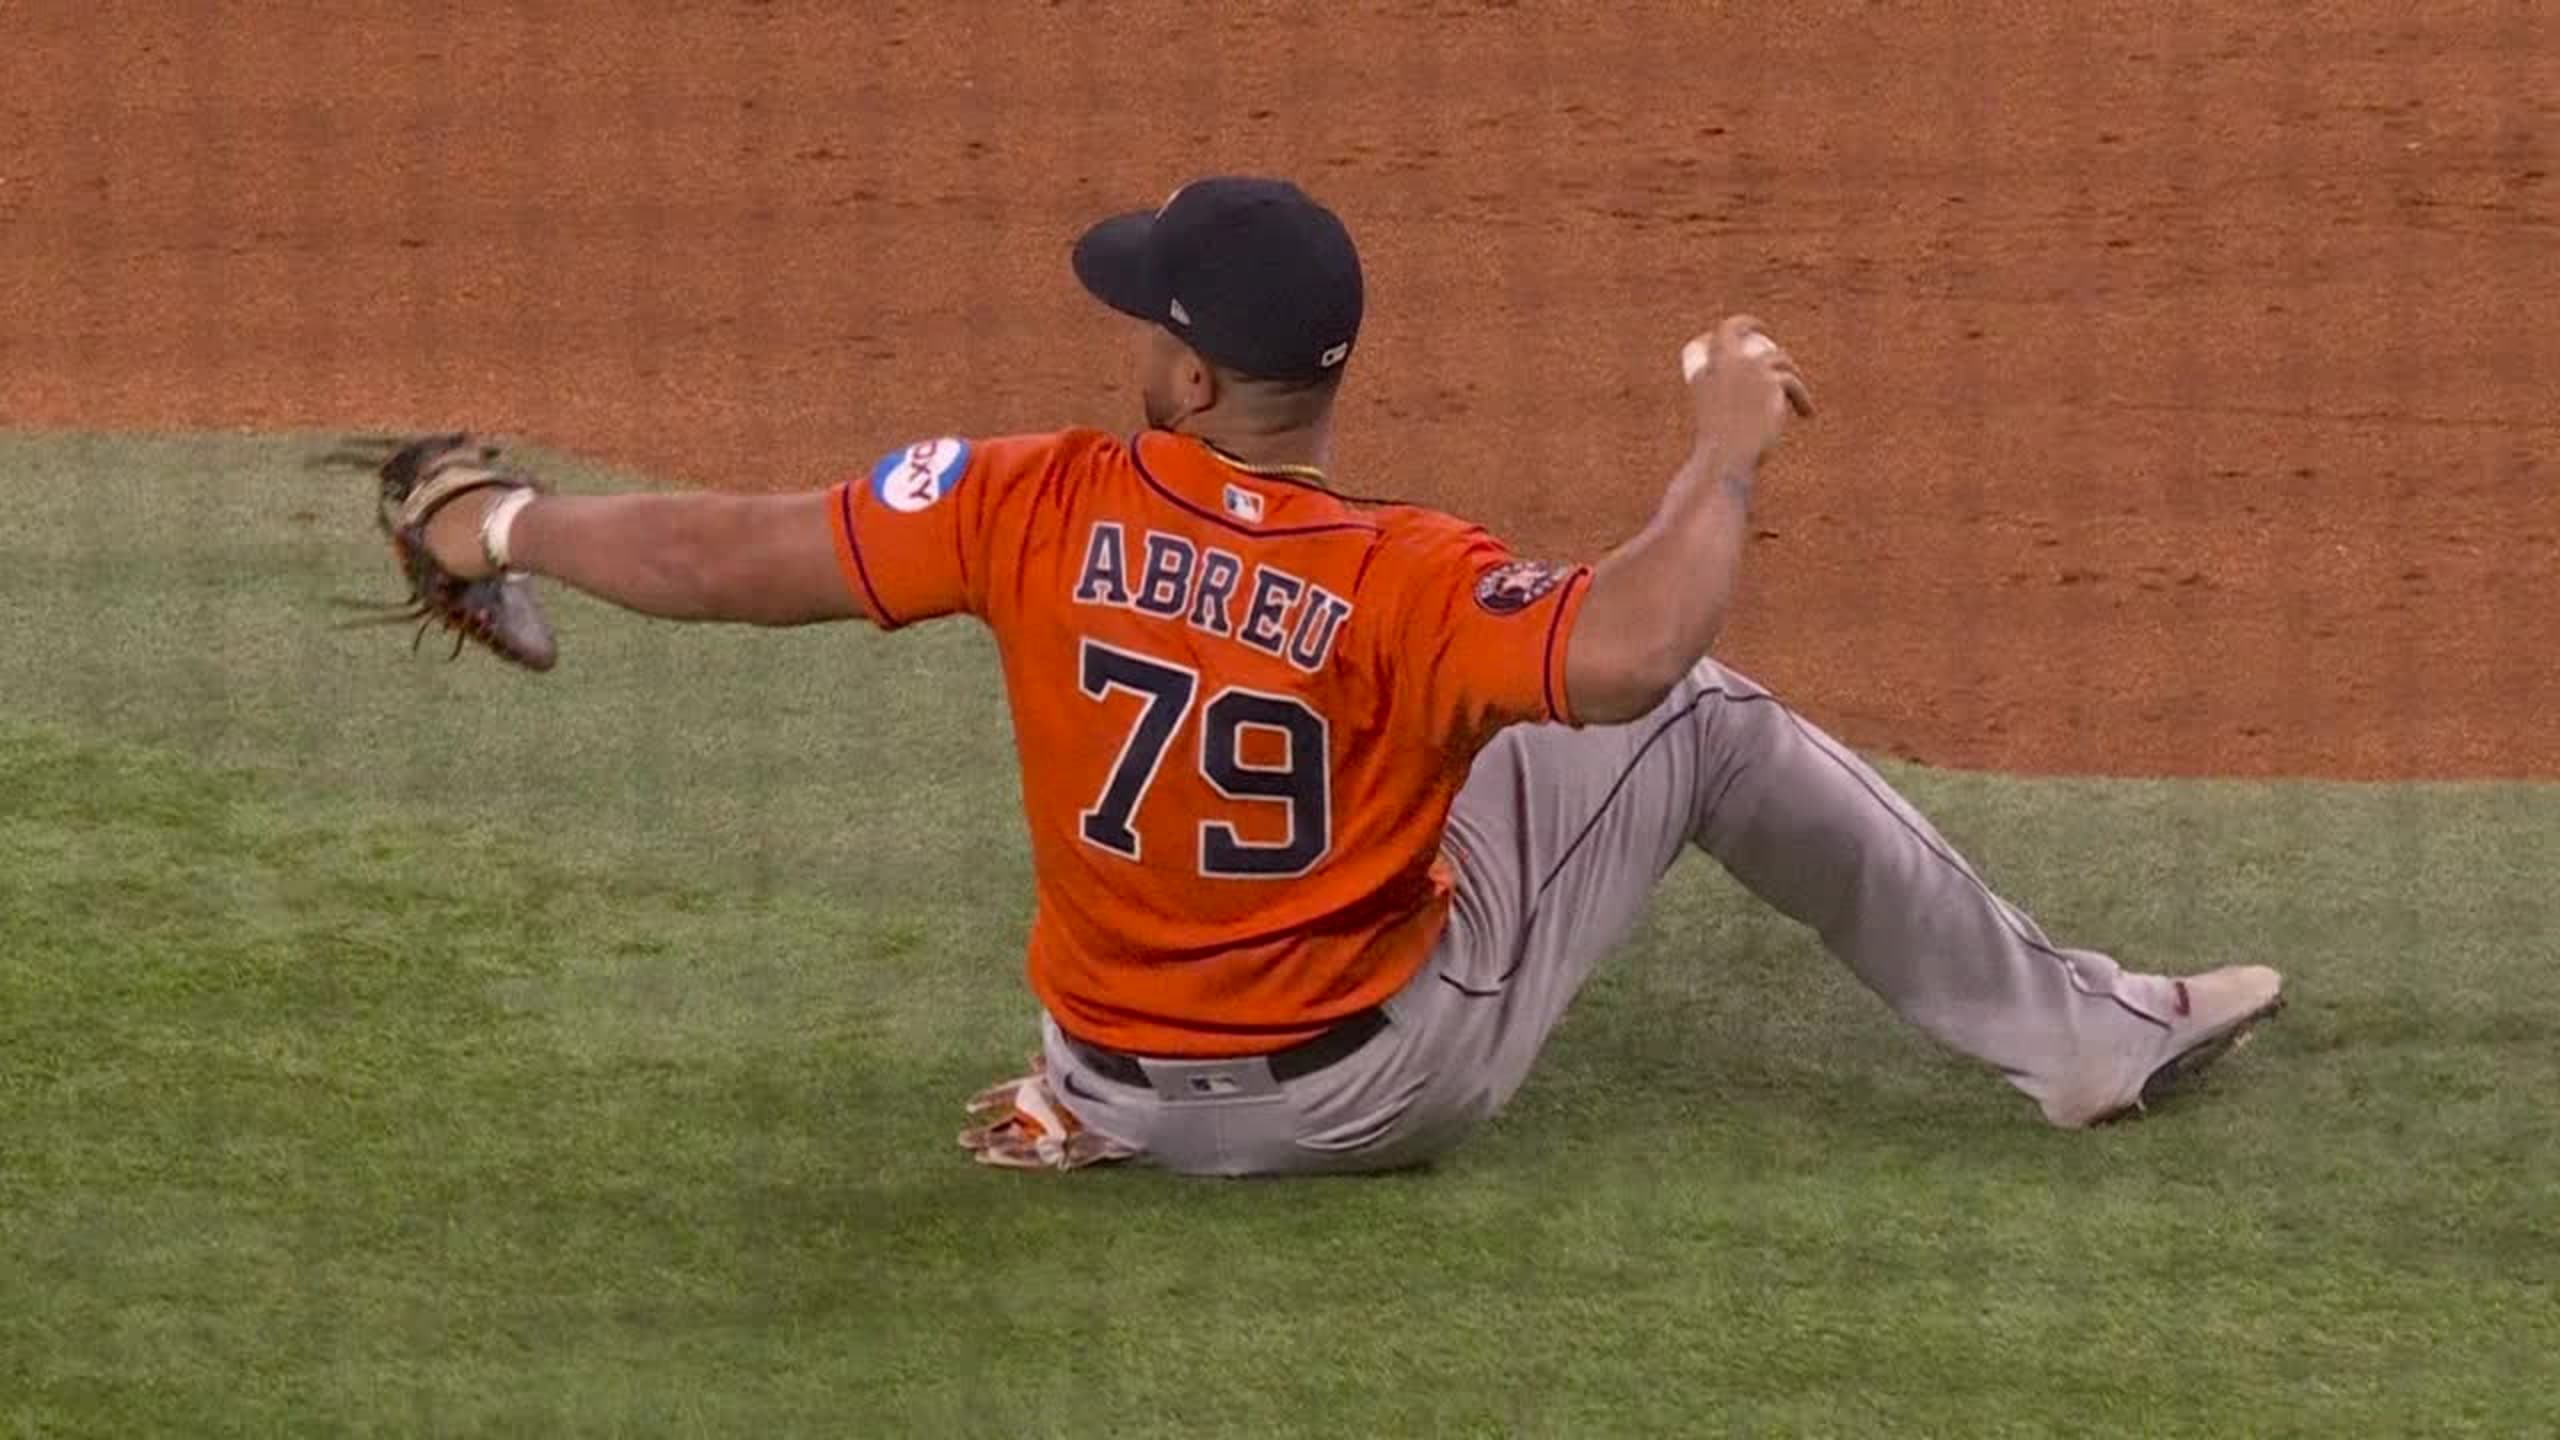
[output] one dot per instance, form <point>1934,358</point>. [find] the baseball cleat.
<point>2217,1013</point>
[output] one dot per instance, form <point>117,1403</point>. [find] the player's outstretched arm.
<point>747,559</point>
<point>1657,602</point>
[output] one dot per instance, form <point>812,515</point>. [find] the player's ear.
<point>1195,380</point>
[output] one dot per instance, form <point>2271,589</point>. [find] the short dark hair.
<point>1283,403</point>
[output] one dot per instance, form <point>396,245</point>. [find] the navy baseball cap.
<point>1251,273</point>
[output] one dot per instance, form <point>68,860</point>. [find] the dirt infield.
<point>2188,385</point>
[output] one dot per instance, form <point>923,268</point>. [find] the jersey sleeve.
<point>914,535</point>
<point>1488,631</point>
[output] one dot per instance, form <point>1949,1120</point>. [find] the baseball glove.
<point>498,612</point>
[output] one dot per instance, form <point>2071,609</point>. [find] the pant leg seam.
<point>2008,921</point>
<point>1599,812</point>
<point>1616,788</point>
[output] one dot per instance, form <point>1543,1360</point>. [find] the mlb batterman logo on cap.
<point>1251,273</point>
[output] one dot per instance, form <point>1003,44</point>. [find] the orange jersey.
<point>1243,706</point>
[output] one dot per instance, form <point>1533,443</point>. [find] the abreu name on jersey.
<point>1213,591</point>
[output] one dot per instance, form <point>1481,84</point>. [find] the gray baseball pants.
<point>1558,840</point>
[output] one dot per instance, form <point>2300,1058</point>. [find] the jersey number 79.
<point>1301,782</point>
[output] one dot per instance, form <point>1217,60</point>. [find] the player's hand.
<point>1744,385</point>
<point>453,534</point>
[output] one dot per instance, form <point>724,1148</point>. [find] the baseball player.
<point>1334,803</point>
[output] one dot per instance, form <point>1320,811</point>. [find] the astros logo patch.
<point>914,478</point>
<point>1507,589</point>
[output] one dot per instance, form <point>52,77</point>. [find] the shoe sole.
<point>2191,1061</point>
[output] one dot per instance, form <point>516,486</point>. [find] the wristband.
<point>497,526</point>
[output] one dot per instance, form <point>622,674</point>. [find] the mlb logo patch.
<point>1244,504</point>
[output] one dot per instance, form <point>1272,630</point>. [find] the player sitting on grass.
<point>1334,803</point>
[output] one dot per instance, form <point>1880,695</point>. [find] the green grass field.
<point>393,1047</point>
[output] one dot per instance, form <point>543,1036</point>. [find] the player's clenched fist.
<point>1743,384</point>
